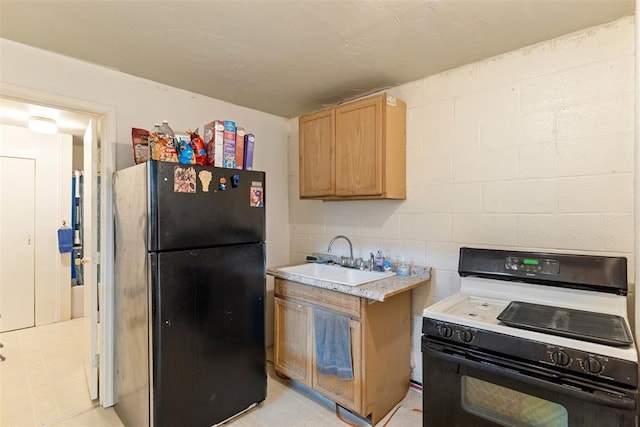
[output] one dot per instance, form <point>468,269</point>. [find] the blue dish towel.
<point>65,240</point>
<point>333,344</point>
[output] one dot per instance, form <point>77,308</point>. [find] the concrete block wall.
<point>529,150</point>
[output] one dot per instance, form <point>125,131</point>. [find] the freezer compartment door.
<point>194,206</point>
<point>208,309</point>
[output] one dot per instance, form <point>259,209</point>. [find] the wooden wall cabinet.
<point>354,151</point>
<point>380,346</point>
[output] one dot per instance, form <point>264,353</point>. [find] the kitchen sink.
<point>337,274</point>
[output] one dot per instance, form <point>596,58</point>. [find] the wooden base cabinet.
<point>380,346</point>
<point>292,340</point>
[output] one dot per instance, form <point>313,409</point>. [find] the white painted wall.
<point>141,103</point>
<point>52,155</point>
<point>636,145</point>
<point>528,150</point>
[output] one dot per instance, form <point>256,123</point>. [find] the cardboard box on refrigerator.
<point>214,142</point>
<point>239,148</point>
<point>249,140</point>
<point>229,138</point>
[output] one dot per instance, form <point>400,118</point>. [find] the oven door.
<point>463,387</point>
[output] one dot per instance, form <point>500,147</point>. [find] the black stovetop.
<point>583,325</point>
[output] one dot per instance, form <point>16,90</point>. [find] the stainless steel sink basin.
<point>337,274</point>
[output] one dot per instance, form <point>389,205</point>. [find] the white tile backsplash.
<point>617,237</point>
<point>443,255</point>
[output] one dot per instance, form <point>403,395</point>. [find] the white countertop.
<point>378,290</point>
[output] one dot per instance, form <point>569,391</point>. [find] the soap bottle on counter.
<point>379,261</point>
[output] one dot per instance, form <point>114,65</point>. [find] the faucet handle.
<point>347,261</point>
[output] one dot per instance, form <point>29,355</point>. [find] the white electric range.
<point>549,330</point>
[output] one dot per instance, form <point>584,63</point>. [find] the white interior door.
<point>89,245</point>
<point>17,255</point>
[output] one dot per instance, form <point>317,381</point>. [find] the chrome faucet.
<point>348,241</point>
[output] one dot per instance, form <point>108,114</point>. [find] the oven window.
<point>509,407</point>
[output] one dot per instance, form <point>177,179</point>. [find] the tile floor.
<point>42,383</point>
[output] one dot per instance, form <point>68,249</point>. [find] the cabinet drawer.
<point>343,303</point>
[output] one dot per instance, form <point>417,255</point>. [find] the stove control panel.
<point>560,358</point>
<point>532,265</point>
<point>537,353</point>
<point>465,335</point>
<point>592,365</point>
<point>455,332</point>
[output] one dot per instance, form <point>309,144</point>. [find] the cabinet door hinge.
<point>96,361</point>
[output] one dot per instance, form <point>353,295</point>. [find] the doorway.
<point>103,116</point>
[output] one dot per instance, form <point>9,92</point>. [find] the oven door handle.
<point>609,399</point>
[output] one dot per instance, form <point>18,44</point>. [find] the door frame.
<point>106,115</point>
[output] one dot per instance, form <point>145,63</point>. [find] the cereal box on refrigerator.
<point>239,148</point>
<point>229,150</point>
<point>249,140</point>
<point>213,140</point>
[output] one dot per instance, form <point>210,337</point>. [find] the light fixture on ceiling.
<point>43,125</point>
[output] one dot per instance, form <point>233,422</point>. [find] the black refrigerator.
<point>189,293</point>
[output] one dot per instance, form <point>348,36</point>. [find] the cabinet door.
<point>359,130</point>
<point>292,343</point>
<point>317,154</point>
<point>347,393</point>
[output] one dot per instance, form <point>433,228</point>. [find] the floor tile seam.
<point>43,350</point>
<point>305,422</point>
<point>25,370</point>
<point>63,418</point>
<point>314,403</point>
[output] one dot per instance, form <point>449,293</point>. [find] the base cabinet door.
<point>380,345</point>
<point>347,393</point>
<point>293,340</point>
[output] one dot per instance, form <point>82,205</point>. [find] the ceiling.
<point>292,57</point>
<point>17,113</point>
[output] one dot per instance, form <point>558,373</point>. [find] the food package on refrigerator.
<point>141,145</point>
<point>199,149</point>
<point>185,152</point>
<point>164,148</point>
